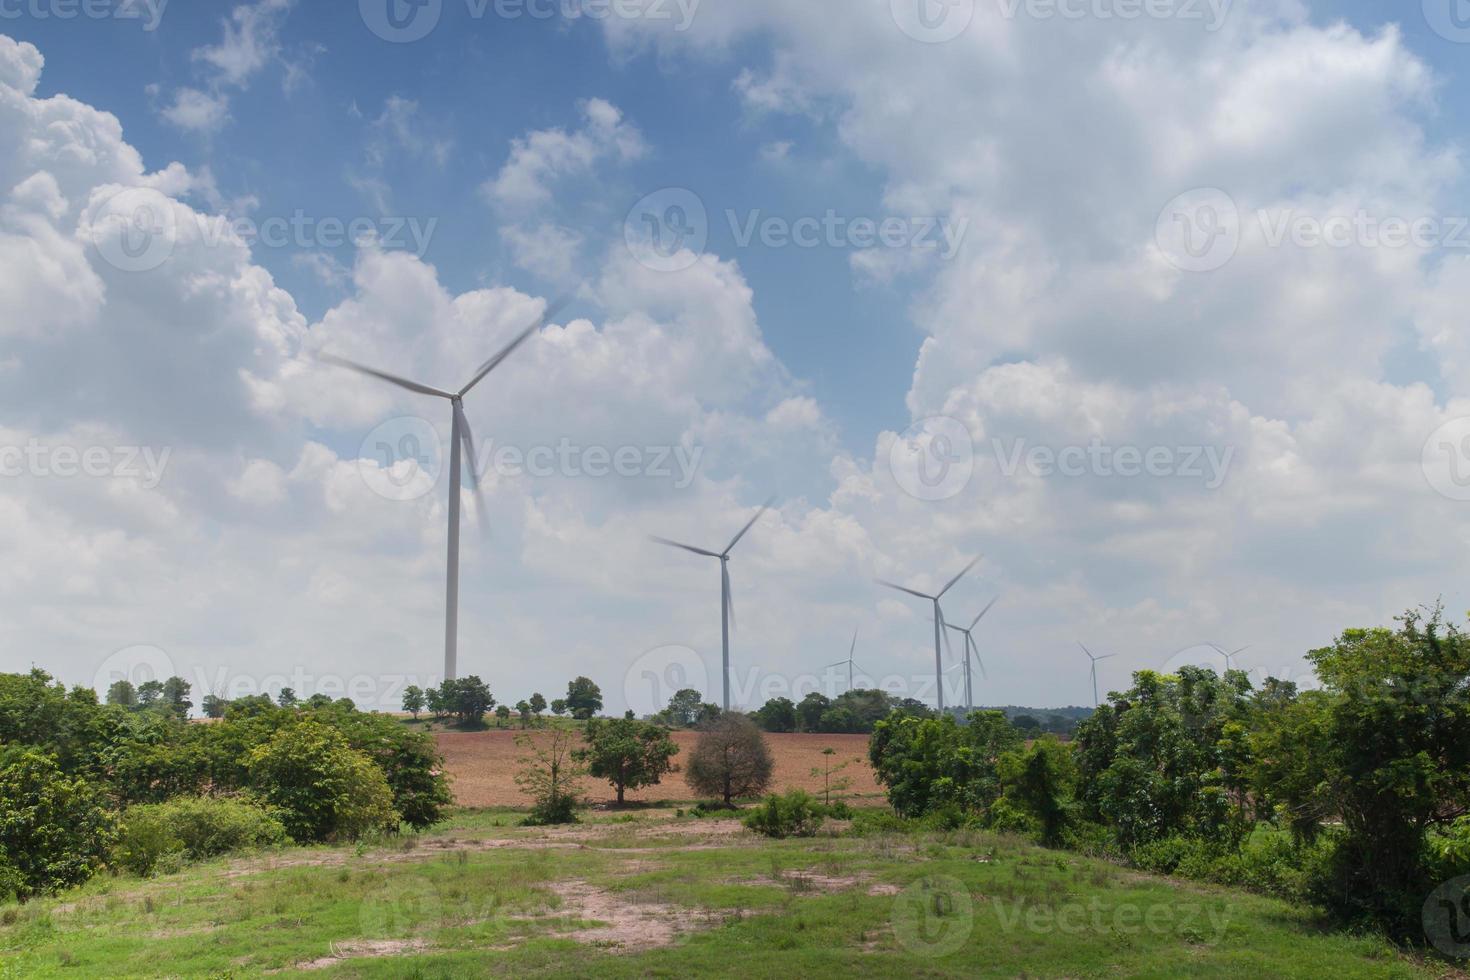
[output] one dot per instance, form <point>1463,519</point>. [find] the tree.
<point>827,770</point>
<point>413,700</point>
<point>684,708</point>
<point>558,707</point>
<point>434,702</point>
<point>551,775</point>
<point>287,698</point>
<point>523,708</point>
<point>328,791</point>
<point>584,698</point>
<point>809,711</point>
<point>123,693</point>
<point>730,760</point>
<point>467,699</point>
<point>149,692</point>
<point>55,830</point>
<point>627,753</point>
<point>1027,724</point>
<point>777,715</point>
<point>931,764</point>
<point>214,706</point>
<point>175,696</point>
<point>502,715</point>
<point>538,705</point>
<point>1041,781</point>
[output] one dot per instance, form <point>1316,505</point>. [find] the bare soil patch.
<point>624,925</point>
<point>483,767</point>
<point>358,948</point>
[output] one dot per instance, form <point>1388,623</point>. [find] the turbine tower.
<point>460,437</point>
<point>1095,662</point>
<point>851,650</point>
<point>938,622</point>
<point>972,648</point>
<point>727,607</point>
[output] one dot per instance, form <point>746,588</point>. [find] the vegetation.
<point>584,698</point>
<point>730,760</point>
<point>161,836</point>
<point>552,777</point>
<point>628,754</point>
<point>795,813</point>
<point>324,789</point>
<point>852,713</point>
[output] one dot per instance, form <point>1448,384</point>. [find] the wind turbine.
<point>938,622</point>
<point>460,436</point>
<point>727,609</point>
<point>972,647</point>
<point>848,661</point>
<point>1230,655</point>
<point>1095,662</point>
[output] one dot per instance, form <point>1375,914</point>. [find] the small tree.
<point>149,692</point>
<point>777,715</point>
<point>551,775</point>
<point>327,790</point>
<point>558,707</point>
<point>123,693</point>
<point>287,698</point>
<point>730,760</point>
<point>629,754</point>
<point>538,705</point>
<point>502,715</point>
<point>523,707</point>
<point>1041,780</point>
<point>584,698</point>
<point>809,712</point>
<point>214,706</point>
<point>55,830</point>
<point>683,709</point>
<point>413,700</point>
<point>175,696</point>
<point>827,770</point>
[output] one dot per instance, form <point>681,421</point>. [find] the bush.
<point>55,830</point>
<point>194,828</point>
<point>551,775</point>
<point>324,789</point>
<point>865,822</point>
<point>795,813</point>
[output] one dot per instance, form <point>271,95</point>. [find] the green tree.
<point>149,693</point>
<point>551,776</point>
<point>214,706</point>
<point>558,707</point>
<point>826,771</point>
<point>326,790</point>
<point>1042,781</point>
<point>123,694</point>
<point>809,712</point>
<point>584,698</point>
<point>684,708</point>
<point>175,696</point>
<point>55,830</point>
<point>502,715</point>
<point>413,700</point>
<point>730,760</point>
<point>776,715</point>
<point>523,708</point>
<point>929,764</point>
<point>629,754</point>
<point>287,698</point>
<point>538,705</point>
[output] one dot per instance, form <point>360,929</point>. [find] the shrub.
<point>194,828</point>
<point>795,813</point>
<point>325,790</point>
<point>928,764</point>
<point>1040,781</point>
<point>55,830</point>
<point>730,760</point>
<point>551,775</point>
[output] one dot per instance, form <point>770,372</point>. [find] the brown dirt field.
<point>483,767</point>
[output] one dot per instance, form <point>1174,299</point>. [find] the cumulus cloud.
<point>540,159</point>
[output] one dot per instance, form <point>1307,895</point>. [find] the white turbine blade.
<point>510,348</point>
<point>963,572</point>
<point>1087,651</point>
<point>975,651</point>
<point>840,663</point>
<point>467,437</point>
<point>983,612</point>
<point>758,514</point>
<point>852,649</point>
<point>947,647</point>
<point>1107,656</point>
<point>393,379</point>
<point>901,588</point>
<point>686,547</point>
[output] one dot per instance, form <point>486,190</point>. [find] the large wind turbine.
<point>972,647</point>
<point>1095,662</point>
<point>938,622</point>
<point>460,436</point>
<point>851,650</point>
<point>727,608</point>
<point>1229,655</point>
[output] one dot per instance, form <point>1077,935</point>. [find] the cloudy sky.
<point>1160,307</point>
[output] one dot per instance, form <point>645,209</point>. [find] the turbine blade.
<point>963,572</point>
<point>764,507</point>
<point>392,379</point>
<point>948,648</point>
<point>1086,651</point>
<point>467,437</point>
<point>510,348</point>
<point>975,650</point>
<point>840,663</point>
<point>1107,656</point>
<point>983,612</point>
<point>902,588</point>
<point>729,594</point>
<point>852,649</point>
<point>686,547</point>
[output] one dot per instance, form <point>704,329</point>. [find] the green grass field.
<point>653,894</point>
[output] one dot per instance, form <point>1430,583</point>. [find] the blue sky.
<point>1308,400</point>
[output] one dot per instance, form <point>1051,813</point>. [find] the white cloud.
<point>250,42</point>
<point>542,158</point>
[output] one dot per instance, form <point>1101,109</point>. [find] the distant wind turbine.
<point>460,436</point>
<point>1095,662</point>
<point>972,648</point>
<point>848,661</point>
<point>938,622</point>
<point>1230,655</point>
<point>727,602</point>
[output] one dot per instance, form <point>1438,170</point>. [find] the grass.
<point>453,904</point>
